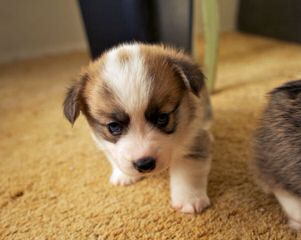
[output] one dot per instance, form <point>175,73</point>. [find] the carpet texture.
<point>54,182</point>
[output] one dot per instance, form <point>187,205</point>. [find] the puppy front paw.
<point>294,224</point>
<point>190,204</point>
<point>121,179</point>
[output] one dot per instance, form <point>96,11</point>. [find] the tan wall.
<point>34,27</point>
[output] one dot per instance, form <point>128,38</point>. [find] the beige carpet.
<point>54,183</point>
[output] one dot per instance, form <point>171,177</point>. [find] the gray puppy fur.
<point>277,149</point>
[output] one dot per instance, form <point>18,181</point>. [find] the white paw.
<point>191,204</point>
<point>119,178</point>
<point>296,225</point>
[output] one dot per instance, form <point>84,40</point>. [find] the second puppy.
<point>148,110</point>
<point>277,162</point>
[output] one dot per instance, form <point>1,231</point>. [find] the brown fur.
<point>124,56</point>
<point>277,144</point>
<point>168,89</point>
<point>165,63</point>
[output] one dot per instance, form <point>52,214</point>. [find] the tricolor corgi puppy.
<point>149,110</point>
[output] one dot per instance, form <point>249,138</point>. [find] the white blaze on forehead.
<point>128,79</point>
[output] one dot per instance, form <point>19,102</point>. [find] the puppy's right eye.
<point>115,128</point>
<point>162,120</point>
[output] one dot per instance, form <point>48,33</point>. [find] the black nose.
<point>145,164</point>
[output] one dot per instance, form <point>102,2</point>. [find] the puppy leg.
<point>291,204</point>
<point>119,178</point>
<point>188,178</point>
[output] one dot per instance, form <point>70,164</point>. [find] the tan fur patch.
<point>168,89</point>
<point>123,56</point>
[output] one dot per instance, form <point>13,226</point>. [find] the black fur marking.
<point>293,88</point>
<point>101,127</point>
<point>192,72</point>
<point>153,111</point>
<point>200,148</point>
<point>121,117</point>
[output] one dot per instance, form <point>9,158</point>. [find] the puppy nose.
<point>146,164</point>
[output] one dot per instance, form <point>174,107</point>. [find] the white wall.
<point>31,28</point>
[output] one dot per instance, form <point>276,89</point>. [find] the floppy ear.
<point>72,103</point>
<point>190,73</point>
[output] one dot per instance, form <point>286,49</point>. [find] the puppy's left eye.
<point>162,120</point>
<point>115,128</point>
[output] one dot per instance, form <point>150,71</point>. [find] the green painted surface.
<point>211,31</point>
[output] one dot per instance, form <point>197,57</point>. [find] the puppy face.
<point>138,100</point>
